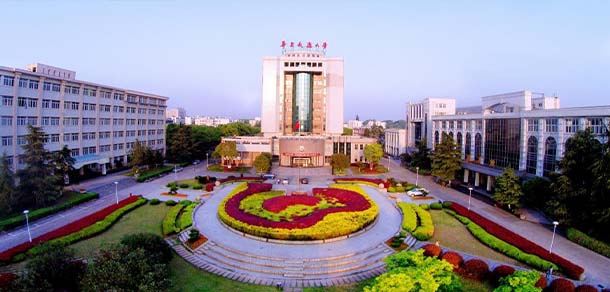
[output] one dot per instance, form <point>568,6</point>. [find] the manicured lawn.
<point>358,286</point>
<point>186,277</point>
<point>453,234</point>
<point>475,286</point>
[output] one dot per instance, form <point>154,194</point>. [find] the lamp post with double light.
<point>116,191</point>
<point>417,176</point>
<point>27,223</point>
<point>469,197</point>
<point>555,223</point>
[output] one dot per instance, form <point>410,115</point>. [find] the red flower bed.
<point>501,271</point>
<point>241,179</point>
<point>475,269</point>
<point>560,285</point>
<point>67,229</point>
<point>586,288</point>
<point>541,282</point>
<point>353,202</point>
<point>570,269</point>
<point>362,179</point>
<point>7,280</point>
<point>454,258</point>
<point>277,204</point>
<point>431,250</point>
<point>209,187</point>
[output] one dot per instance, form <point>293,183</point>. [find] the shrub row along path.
<point>233,255</point>
<point>595,265</point>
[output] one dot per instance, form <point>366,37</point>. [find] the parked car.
<point>268,176</point>
<point>304,181</point>
<point>285,181</point>
<point>196,161</point>
<point>418,192</point>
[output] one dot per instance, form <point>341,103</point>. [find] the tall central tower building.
<point>302,93</point>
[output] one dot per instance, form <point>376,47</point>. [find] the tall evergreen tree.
<point>446,159</point>
<point>508,189</point>
<point>181,146</point>
<point>7,186</point>
<point>37,181</point>
<point>64,163</point>
<point>421,158</point>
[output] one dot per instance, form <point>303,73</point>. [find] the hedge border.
<point>168,225</point>
<point>589,242</point>
<point>149,174</point>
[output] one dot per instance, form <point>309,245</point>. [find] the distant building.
<point>525,130</point>
<point>99,123</point>
<point>175,115</point>
<point>371,123</point>
<point>302,110</point>
<point>354,124</point>
<point>211,121</point>
<point>395,141</point>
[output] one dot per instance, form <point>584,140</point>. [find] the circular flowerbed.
<point>255,209</point>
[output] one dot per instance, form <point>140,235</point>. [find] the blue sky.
<point>207,55</point>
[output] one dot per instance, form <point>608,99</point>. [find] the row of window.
<point>74,121</point>
<point>572,125</point>
<point>27,102</point>
<point>54,138</point>
<point>459,124</point>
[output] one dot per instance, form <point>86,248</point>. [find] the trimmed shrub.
<point>426,228</point>
<point>185,202</point>
<point>193,235</point>
<point>589,242</point>
<point>155,172</point>
<point>391,189</point>
<point>560,285</point>
<point>425,206</point>
<point>170,203</point>
<point>197,187</point>
<point>168,225</point>
<point>447,204</point>
<point>155,201</point>
<point>186,217</point>
<point>475,269</point>
<point>454,258</point>
<point>184,186</point>
<point>409,217</point>
<point>209,187</point>
<point>541,282</point>
<point>501,271</point>
<point>431,250</point>
<point>34,215</point>
<point>172,184</point>
<point>173,190</point>
<point>436,206</point>
<point>586,288</point>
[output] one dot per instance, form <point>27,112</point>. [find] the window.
<point>23,83</point>
<point>71,105</point>
<point>550,154</point>
<point>106,94</point>
<point>7,100</point>
<point>8,80</point>
<point>89,136</point>
<point>596,125</point>
<point>118,146</point>
<point>88,121</point>
<point>131,133</point>
<point>74,136</point>
<point>118,109</point>
<point>88,91</point>
<point>46,86</point>
<point>104,148</point>
<point>131,110</point>
<point>46,103</point>
<point>32,102</point>
<point>7,140</point>
<point>75,152</point>
<point>55,104</point>
<point>32,121</point>
<point>54,121</point>
<point>118,134</point>
<point>141,132</point>
<point>152,112</point>
<point>104,135</point>
<point>22,121</point>
<point>45,121</point>
<point>70,121</point>
<point>72,89</point>
<point>21,140</point>
<point>532,125</point>
<point>104,121</point>
<point>551,125</point>
<point>141,122</point>
<point>532,155</point>
<point>55,87</point>
<point>54,138</point>
<point>9,160</point>
<point>160,132</point>
<point>151,132</point>
<point>88,107</point>
<point>33,84</point>
<point>7,120</point>
<point>479,125</point>
<point>22,102</point>
<point>118,96</point>
<point>131,122</point>
<point>105,108</point>
<point>571,125</point>
<point>117,122</point>
<point>141,111</point>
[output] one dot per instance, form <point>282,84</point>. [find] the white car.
<point>285,181</point>
<point>417,192</point>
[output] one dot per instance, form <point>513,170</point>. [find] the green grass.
<point>186,277</point>
<point>475,286</point>
<point>353,287</point>
<point>144,219</point>
<point>453,234</point>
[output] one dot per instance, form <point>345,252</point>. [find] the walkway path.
<point>596,266</point>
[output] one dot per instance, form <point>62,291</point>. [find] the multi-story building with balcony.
<point>524,130</point>
<point>99,123</point>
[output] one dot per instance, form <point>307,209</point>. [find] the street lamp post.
<point>555,223</point>
<point>417,176</point>
<point>175,172</point>
<point>207,163</point>
<point>469,197</point>
<point>27,223</point>
<point>116,191</point>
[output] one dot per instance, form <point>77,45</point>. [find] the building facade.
<point>524,130</point>
<point>395,141</point>
<point>99,123</point>
<point>302,111</point>
<point>175,115</point>
<point>419,117</point>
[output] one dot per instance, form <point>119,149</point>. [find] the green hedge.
<point>34,215</point>
<point>94,229</point>
<point>155,172</point>
<point>503,247</point>
<point>589,242</point>
<point>409,217</point>
<point>425,230</point>
<point>436,206</point>
<point>186,217</point>
<point>168,226</point>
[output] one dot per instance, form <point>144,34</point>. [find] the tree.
<point>7,186</point>
<point>226,150</point>
<point>64,164</point>
<point>520,281</point>
<point>339,161</point>
<point>153,245</point>
<point>37,181</point>
<point>412,271</point>
<point>374,132</point>
<point>536,192</point>
<point>508,188</point>
<point>373,153</point>
<point>181,145</point>
<point>137,155</point>
<point>405,159</point>
<point>347,132</point>
<point>446,159</point>
<point>421,158</point>
<point>262,163</point>
<point>53,269</point>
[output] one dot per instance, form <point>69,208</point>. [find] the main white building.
<point>524,130</point>
<point>99,123</point>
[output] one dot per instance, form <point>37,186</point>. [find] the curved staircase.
<point>288,272</point>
